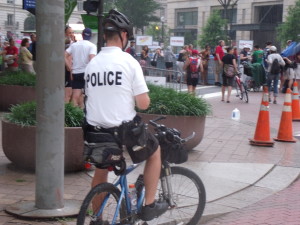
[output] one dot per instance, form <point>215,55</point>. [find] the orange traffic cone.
<point>285,132</point>
<point>295,103</point>
<point>262,132</point>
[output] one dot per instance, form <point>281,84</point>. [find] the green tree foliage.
<point>213,31</point>
<point>155,30</point>
<point>140,12</point>
<point>290,30</point>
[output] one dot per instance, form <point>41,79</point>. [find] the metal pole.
<point>100,21</point>
<point>14,20</point>
<point>50,104</point>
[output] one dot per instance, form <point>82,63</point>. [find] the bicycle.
<point>241,90</point>
<point>179,186</point>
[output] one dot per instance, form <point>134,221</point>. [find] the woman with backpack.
<point>192,66</point>
<point>274,61</point>
<point>229,70</point>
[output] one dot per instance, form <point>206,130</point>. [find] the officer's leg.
<point>151,176</point>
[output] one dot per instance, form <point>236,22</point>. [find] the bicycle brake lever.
<point>189,137</point>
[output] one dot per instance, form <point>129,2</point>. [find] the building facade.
<point>13,18</point>
<point>249,19</point>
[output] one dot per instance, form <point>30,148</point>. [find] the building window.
<point>10,19</point>
<point>10,1</point>
<point>187,18</point>
<point>79,5</point>
<point>231,15</point>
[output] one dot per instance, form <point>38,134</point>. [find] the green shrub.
<point>25,115</point>
<point>167,101</point>
<point>18,78</point>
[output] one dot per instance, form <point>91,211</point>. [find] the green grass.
<point>25,115</point>
<point>167,101</point>
<point>17,78</point>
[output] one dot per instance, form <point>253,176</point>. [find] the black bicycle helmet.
<point>120,21</point>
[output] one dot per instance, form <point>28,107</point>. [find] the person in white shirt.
<point>82,52</point>
<point>114,86</point>
<point>273,77</point>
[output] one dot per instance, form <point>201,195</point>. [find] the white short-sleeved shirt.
<point>80,51</point>
<point>112,79</point>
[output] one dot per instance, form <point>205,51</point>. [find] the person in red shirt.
<point>11,56</point>
<point>219,53</point>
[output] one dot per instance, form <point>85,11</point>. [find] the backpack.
<point>275,67</point>
<point>194,65</point>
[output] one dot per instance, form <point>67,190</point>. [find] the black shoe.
<point>99,222</point>
<point>149,213</point>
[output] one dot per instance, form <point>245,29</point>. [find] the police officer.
<point>114,85</point>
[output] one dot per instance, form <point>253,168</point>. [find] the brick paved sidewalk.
<point>282,208</point>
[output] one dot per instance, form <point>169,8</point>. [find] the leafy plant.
<point>25,115</point>
<point>289,30</point>
<point>167,101</point>
<point>213,31</point>
<point>18,78</point>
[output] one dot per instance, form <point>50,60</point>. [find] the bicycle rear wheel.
<point>189,195</point>
<point>89,212</point>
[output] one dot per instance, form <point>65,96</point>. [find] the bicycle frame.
<point>238,80</point>
<point>122,182</point>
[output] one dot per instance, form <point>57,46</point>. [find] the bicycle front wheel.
<point>189,196</point>
<point>100,205</point>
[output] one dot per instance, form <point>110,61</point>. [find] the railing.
<point>167,78</point>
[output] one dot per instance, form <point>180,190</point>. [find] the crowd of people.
<point>79,53</point>
<point>225,58</point>
<point>23,58</point>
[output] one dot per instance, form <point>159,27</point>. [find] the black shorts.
<point>169,65</point>
<point>137,155</point>
<point>68,81</point>
<point>191,81</point>
<point>78,81</point>
<point>227,81</point>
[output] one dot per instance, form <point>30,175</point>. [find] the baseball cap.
<point>273,48</point>
<point>195,52</point>
<point>87,34</point>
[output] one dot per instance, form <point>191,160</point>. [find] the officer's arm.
<point>91,56</point>
<point>142,101</point>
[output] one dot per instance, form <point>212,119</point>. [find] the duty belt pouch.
<point>134,134</point>
<point>101,148</point>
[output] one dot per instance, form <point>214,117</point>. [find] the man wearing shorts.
<point>114,85</point>
<point>218,62</point>
<point>82,52</point>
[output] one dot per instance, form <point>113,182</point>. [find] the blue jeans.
<point>274,78</point>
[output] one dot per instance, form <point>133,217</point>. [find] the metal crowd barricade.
<point>167,78</point>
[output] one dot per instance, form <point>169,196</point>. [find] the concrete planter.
<point>19,146</point>
<point>15,94</point>
<point>185,124</point>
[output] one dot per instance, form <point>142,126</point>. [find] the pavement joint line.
<point>248,186</point>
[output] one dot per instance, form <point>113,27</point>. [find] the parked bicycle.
<point>180,187</point>
<point>241,90</point>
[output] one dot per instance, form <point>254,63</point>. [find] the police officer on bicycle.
<point>114,86</point>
